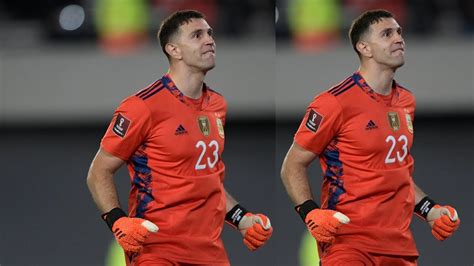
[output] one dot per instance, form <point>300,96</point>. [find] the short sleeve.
<point>128,129</point>
<point>320,124</point>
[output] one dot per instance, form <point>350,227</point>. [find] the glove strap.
<point>112,216</point>
<point>304,208</point>
<point>236,214</point>
<point>424,206</point>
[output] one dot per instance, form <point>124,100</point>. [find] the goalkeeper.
<point>362,131</point>
<point>171,136</point>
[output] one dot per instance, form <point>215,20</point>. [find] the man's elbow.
<point>284,172</point>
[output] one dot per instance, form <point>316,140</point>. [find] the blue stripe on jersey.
<point>333,174</point>
<point>142,182</point>
<point>148,89</point>
<point>153,92</point>
<point>340,85</point>
<point>351,84</point>
<point>357,77</point>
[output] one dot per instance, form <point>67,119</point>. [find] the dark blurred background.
<point>66,65</point>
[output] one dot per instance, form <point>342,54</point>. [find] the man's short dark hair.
<point>362,24</point>
<point>170,26</point>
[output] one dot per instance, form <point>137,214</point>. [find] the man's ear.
<point>173,51</point>
<point>364,49</point>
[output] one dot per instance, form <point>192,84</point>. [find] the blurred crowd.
<point>315,24</point>
<point>121,25</point>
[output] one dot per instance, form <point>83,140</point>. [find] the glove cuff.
<point>112,216</point>
<point>424,206</point>
<point>304,208</point>
<point>235,215</point>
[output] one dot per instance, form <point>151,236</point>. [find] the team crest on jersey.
<point>409,123</point>
<point>393,120</point>
<point>204,125</point>
<point>121,125</point>
<point>314,120</point>
<point>220,127</point>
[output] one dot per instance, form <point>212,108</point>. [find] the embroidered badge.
<point>314,120</point>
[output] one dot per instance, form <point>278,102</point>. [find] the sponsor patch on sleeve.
<point>314,120</point>
<point>121,125</point>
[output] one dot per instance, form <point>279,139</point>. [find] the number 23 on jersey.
<point>394,155</point>
<point>203,161</point>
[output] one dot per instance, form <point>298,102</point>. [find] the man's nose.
<point>399,38</point>
<point>210,40</point>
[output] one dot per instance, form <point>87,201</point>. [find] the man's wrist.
<point>424,206</point>
<point>304,208</point>
<point>112,216</point>
<point>235,215</point>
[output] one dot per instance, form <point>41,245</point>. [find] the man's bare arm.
<point>101,182</point>
<point>294,173</point>
<point>419,194</point>
<point>230,201</point>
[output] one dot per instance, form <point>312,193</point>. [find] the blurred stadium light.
<point>71,17</point>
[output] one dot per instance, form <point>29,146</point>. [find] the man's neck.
<point>188,82</point>
<point>380,80</point>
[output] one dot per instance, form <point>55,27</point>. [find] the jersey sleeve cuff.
<point>114,153</point>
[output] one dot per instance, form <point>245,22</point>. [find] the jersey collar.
<point>171,87</point>
<point>360,81</point>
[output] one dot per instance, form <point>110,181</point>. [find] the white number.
<point>404,147</point>
<point>201,144</point>
<point>390,158</point>
<point>392,139</point>
<point>200,166</point>
<point>215,153</point>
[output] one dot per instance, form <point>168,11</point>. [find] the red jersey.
<point>363,140</point>
<point>172,145</point>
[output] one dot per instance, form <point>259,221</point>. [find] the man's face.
<point>386,43</point>
<point>197,46</point>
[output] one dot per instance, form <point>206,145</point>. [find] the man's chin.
<point>208,67</point>
<point>398,64</point>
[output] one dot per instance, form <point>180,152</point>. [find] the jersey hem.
<point>187,260</point>
<point>377,251</point>
<point>388,252</point>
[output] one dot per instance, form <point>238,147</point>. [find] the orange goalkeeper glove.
<point>129,232</point>
<point>255,228</point>
<point>443,220</point>
<point>322,224</point>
